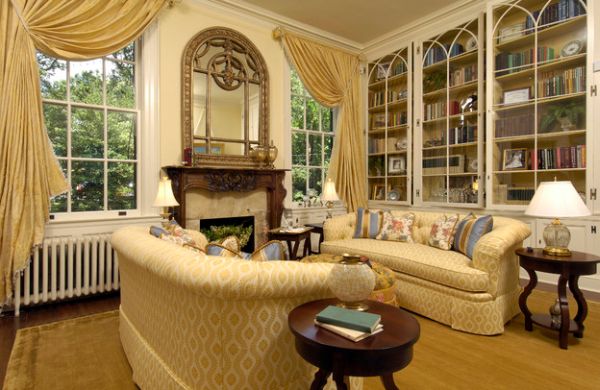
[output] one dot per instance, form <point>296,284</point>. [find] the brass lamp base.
<point>557,238</point>
<point>329,205</point>
<point>359,306</point>
<point>557,251</point>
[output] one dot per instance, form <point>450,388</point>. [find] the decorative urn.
<point>352,281</point>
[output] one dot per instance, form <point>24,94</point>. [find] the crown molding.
<point>292,25</point>
<point>418,24</point>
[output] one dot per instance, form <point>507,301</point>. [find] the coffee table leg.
<point>340,383</point>
<point>582,308</point>
<point>523,298</point>
<point>320,379</point>
<point>388,381</point>
<point>564,312</point>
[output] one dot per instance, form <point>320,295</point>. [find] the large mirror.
<point>225,98</point>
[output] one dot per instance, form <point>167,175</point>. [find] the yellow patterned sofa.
<point>190,321</point>
<point>477,296</point>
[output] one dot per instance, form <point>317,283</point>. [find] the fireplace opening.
<point>242,227</point>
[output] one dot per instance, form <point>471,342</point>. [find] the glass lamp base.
<point>557,238</point>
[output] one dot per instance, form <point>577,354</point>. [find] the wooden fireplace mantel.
<point>229,180</point>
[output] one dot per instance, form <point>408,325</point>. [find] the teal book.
<point>351,319</point>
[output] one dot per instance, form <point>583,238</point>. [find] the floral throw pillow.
<point>442,232</point>
<point>396,228</point>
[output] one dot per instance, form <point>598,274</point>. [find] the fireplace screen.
<point>218,228</point>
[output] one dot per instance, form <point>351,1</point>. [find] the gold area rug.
<point>80,353</point>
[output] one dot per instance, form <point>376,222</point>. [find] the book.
<point>350,334</point>
<point>353,319</point>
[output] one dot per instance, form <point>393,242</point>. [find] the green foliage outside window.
<point>87,155</point>
<point>312,141</point>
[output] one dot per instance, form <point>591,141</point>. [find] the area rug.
<point>80,353</point>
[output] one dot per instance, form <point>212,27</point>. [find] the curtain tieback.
<point>20,16</point>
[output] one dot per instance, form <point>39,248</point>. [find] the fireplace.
<point>231,224</point>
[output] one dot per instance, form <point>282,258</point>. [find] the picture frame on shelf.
<point>515,96</point>
<point>508,33</point>
<point>514,159</point>
<point>396,164</point>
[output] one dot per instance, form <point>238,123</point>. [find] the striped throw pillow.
<point>368,223</point>
<point>469,231</point>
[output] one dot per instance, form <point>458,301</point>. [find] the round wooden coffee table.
<point>379,355</point>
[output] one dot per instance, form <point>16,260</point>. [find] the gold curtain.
<point>29,171</point>
<point>332,77</point>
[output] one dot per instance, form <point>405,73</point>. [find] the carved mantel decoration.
<point>213,179</point>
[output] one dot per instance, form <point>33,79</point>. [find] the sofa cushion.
<point>368,223</point>
<point>396,228</point>
<point>469,231</point>
<point>272,250</point>
<point>442,232</point>
<point>448,268</point>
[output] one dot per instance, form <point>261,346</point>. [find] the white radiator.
<point>67,267</point>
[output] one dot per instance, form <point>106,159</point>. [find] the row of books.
<point>562,82</point>
<point>376,145</point>
<point>559,158</point>
<point>562,10</point>
<point>519,193</point>
<point>396,118</point>
<point>463,75</point>
<point>515,125</point>
<point>462,134</point>
<point>514,62</point>
<point>351,324</point>
<point>438,109</point>
<point>378,98</point>
<point>437,53</point>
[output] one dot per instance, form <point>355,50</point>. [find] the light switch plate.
<point>596,66</point>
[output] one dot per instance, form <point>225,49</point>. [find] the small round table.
<point>379,355</point>
<point>293,237</point>
<point>570,269</point>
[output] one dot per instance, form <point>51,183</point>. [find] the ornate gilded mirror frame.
<point>228,73</point>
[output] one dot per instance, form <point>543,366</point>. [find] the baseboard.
<point>551,287</point>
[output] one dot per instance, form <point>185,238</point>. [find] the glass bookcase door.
<point>389,138</point>
<point>537,95</point>
<point>450,148</point>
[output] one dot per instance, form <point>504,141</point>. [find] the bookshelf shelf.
<point>542,66</point>
<point>541,136</point>
<point>544,100</point>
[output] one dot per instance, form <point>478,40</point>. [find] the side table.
<point>317,228</point>
<point>293,237</point>
<point>570,269</point>
<point>378,355</point>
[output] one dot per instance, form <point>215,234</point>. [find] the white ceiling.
<point>360,21</point>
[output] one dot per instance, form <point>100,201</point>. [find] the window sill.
<point>96,225</point>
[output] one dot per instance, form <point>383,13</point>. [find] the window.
<point>312,141</point>
<point>91,114</point>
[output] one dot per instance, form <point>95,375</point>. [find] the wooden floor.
<point>9,324</point>
<point>444,358</point>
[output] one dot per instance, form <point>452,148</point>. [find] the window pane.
<point>86,81</point>
<point>298,183</point>
<point>315,149</point>
<point>314,181</point>
<point>87,186</point>
<point>121,186</point>
<point>121,135</point>
<point>120,80</point>
<point>298,148</point>
<point>58,204</point>
<point>312,114</point>
<point>296,84</point>
<point>127,53</point>
<point>328,148</point>
<point>55,118</point>
<point>297,112</point>
<point>326,116</point>
<point>53,77</point>
<point>87,137</point>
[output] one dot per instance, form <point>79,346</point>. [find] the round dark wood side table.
<point>379,355</point>
<point>293,237</point>
<point>570,269</point>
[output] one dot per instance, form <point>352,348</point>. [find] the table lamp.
<point>557,199</point>
<point>165,198</point>
<point>329,196</point>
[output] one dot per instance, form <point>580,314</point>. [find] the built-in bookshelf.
<point>449,91</point>
<point>537,78</point>
<point>389,135</point>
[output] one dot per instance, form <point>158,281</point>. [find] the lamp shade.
<point>164,196</point>
<point>329,194</point>
<point>557,199</point>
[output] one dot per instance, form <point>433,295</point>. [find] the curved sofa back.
<point>210,322</point>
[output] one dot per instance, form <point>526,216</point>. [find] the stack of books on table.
<point>351,324</point>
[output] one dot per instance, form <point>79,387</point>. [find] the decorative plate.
<point>401,144</point>
<point>393,195</point>
<point>571,48</point>
<point>474,165</point>
<point>471,44</point>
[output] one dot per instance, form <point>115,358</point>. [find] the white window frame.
<point>147,146</point>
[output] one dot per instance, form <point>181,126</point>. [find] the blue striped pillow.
<point>368,223</point>
<point>469,231</point>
